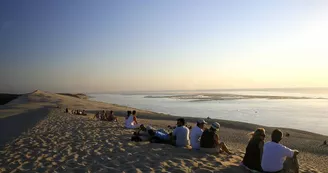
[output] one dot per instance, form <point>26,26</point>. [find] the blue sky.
<point>94,46</point>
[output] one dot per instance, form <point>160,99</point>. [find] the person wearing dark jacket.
<point>254,150</point>
<point>209,141</point>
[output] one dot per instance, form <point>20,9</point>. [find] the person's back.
<point>111,116</point>
<point>274,154</point>
<point>182,136</point>
<point>129,121</point>
<point>195,136</point>
<point>254,150</point>
<point>252,158</point>
<point>207,139</point>
<point>97,115</point>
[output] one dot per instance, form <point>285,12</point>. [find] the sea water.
<point>304,114</point>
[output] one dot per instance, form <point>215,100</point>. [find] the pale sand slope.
<point>71,143</point>
<point>40,99</point>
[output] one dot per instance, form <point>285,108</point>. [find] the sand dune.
<point>70,143</point>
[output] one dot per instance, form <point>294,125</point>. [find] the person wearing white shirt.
<point>181,134</point>
<point>274,154</point>
<point>131,120</point>
<point>196,134</point>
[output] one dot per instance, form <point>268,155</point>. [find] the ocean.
<point>304,109</point>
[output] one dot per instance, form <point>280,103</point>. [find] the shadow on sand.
<point>13,126</point>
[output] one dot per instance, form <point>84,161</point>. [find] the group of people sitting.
<point>197,138</point>
<point>76,112</point>
<point>106,116</point>
<point>259,157</point>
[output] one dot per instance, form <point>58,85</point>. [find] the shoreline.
<point>242,125</point>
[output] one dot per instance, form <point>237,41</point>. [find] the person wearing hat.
<point>254,150</point>
<point>209,141</point>
<point>181,134</point>
<point>196,134</point>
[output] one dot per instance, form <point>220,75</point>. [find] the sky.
<point>103,46</point>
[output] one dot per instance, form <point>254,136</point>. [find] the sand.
<point>60,142</point>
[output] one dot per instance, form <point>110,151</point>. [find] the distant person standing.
<point>196,134</point>
<point>274,154</point>
<point>181,134</point>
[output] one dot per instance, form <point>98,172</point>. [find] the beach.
<point>60,142</point>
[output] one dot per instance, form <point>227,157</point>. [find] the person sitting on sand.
<point>325,142</point>
<point>128,113</point>
<point>210,140</point>
<point>274,154</point>
<point>131,122</point>
<point>149,133</point>
<point>111,116</point>
<point>97,116</point>
<point>254,150</point>
<point>141,134</point>
<point>103,115</point>
<point>66,110</point>
<point>106,115</point>
<point>181,134</point>
<point>78,112</point>
<point>158,136</point>
<point>134,113</point>
<point>196,134</point>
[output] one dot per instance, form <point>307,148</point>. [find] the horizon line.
<point>223,89</point>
